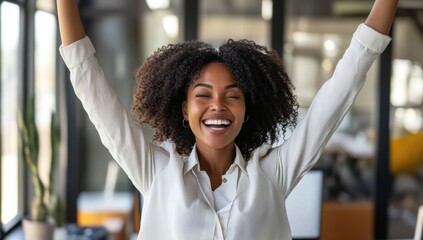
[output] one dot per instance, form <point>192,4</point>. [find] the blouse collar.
<point>192,161</point>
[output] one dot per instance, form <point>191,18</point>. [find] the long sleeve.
<point>123,137</point>
<point>334,99</point>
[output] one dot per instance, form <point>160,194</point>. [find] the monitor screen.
<point>419,225</point>
<point>304,206</point>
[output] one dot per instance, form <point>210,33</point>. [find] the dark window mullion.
<point>26,86</point>
<point>383,177</point>
<point>278,26</point>
<point>191,12</point>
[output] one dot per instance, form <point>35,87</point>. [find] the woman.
<point>215,176</point>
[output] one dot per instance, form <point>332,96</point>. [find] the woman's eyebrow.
<point>211,87</point>
<point>203,85</point>
<point>232,86</point>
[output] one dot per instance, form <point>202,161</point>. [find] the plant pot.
<point>60,233</point>
<point>34,230</point>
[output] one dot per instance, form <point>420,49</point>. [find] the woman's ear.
<point>184,110</point>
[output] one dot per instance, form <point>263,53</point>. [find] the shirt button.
<point>224,180</point>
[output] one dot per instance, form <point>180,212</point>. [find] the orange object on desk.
<point>347,221</point>
<point>112,212</point>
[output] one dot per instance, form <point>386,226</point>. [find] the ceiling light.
<point>266,9</point>
<point>157,4</point>
<point>171,25</point>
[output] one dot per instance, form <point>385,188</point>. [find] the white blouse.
<point>178,200</point>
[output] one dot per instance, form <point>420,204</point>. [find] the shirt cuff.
<point>76,52</point>
<point>370,38</point>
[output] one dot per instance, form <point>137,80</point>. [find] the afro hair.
<point>163,80</point>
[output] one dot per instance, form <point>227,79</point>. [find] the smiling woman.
<point>211,172</point>
<point>215,110</point>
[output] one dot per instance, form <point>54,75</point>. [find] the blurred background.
<point>373,163</point>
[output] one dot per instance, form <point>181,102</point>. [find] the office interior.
<point>373,165</point>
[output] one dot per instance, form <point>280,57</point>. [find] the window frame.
<point>9,226</point>
<point>26,85</point>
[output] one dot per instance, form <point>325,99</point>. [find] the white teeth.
<point>217,122</point>
<point>217,128</point>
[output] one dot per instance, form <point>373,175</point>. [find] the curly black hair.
<point>163,80</point>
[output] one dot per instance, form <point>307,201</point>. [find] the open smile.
<point>217,124</point>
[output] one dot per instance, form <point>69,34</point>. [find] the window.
<point>407,96</point>
<point>15,75</point>
<point>221,20</point>
<point>10,78</point>
<point>160,25</point>
<point>407,137</point>
<point>45,83</point>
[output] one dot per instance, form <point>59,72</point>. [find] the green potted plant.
<point>45,206</point>
<point>52,199</point>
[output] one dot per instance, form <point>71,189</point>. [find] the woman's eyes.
<point>233,96</point>
<point>209,96</point>
<point>202,95</point>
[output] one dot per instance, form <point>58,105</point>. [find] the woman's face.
<point>215,107</point>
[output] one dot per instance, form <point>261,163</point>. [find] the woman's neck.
<point>216,161</point>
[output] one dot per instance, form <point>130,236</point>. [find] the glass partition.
<point>406,161</point>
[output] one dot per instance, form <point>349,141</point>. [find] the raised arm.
<point>70,24</point>
<point>382,15</point>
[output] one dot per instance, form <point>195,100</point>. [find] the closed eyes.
<point>235,97</point>
<point>202,95</point>
<point>209,96</point>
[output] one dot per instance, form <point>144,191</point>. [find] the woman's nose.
<point>218,105</point>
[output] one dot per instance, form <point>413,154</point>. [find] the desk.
<point>113,212</point>
<point>70,232</point>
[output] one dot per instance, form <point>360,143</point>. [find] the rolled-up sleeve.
<point>121,135</point>
<point>286,164</point>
